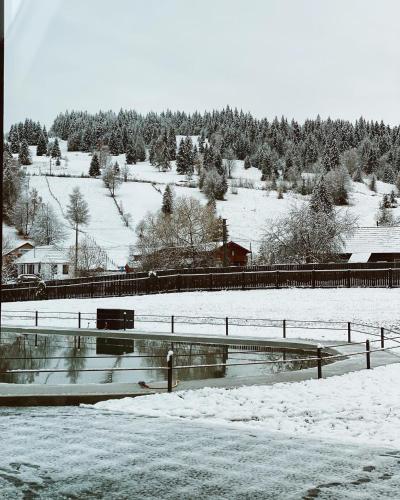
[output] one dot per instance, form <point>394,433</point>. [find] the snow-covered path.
<point>78,453</point>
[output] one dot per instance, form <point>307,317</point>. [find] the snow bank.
<point>361,407</point>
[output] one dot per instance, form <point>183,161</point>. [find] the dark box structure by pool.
<point>115,319</point>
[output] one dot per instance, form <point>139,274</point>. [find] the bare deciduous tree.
<point>304,235</point>
<point>185,238</point>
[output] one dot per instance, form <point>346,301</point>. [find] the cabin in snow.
<point>46,261</point>
<point>235,253</point>
<point>373,244</point>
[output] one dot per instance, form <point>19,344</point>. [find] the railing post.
<point>170,356</point>
<point>284,328</point>
<point>348,276</point>
<point>390,278</point>
<point>226,326</point>
<point>382,337</point>
<point>36,318</point>
<point>313,278</point>
<point>172,324</point>
<point>368,354</point>
<point>35,339</point>
<point>79,342</point>
<point>277,278</point>
<point>319,362</point>
<point>349,332</point>
<point>79,319</point>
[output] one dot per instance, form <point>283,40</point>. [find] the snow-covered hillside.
<point>247,209</point>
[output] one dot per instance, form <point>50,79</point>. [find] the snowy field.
<point>81,453</point>
<point>247,212</point>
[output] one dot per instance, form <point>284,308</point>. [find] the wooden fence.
<point>180,282</point>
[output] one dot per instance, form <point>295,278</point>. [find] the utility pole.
<point>76,250</point>
<point>224,242</point>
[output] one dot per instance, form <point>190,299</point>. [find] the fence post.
<point>382,337</point>
<point>79,319</point>
<point>79,342</point>
<point>226,326</point>
<point>284,328</point>
<point>313,278</point>
<point>277,278</point>
<point>348,276</point>
<point>35,339</point>
<point>211,281</point>
<point>36,318</point>
<point>319,362</point>
<point>390,278</point>
<point>170,356</point>
<point>368,354</point>
<point>349,332</point>
<point>172,324</point>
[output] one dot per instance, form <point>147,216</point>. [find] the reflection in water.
<point>141,360</point>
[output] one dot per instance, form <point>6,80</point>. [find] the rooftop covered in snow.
<point>366,241</point>
<point>43,254</point>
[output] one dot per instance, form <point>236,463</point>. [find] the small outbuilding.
<point>235,253</point>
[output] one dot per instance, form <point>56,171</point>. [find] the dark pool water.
<point>71,358</point>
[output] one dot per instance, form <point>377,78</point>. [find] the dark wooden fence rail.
<point>214,270</point>
<point>178,282</point>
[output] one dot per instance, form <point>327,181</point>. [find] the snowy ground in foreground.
<point>376,306</point>
<point>78,453</point>
<point>360,407</point>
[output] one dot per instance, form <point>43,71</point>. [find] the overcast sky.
<point>293,57</point>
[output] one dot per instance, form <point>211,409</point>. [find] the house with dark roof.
<point>16,249</point>
<point>373,244</point>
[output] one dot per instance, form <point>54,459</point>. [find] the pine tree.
<point>167,203</point>
<point>94,169</point>
<point>320,199</point>
<point>357,176</point>
<point>41,148</point>
<point>331,158</point>
<point>14,140</point>
<point>171,144</point>
<point>55,150</point>
<point>24,156</point>
<point>130,155</point>
<point>181,158</point>
<point>140,149</point>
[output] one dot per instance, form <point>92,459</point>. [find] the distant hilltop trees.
<point>279,148</point>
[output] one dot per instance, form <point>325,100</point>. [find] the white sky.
<point>271,57</point>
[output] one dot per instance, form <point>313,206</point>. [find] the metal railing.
<point>320,355</point>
